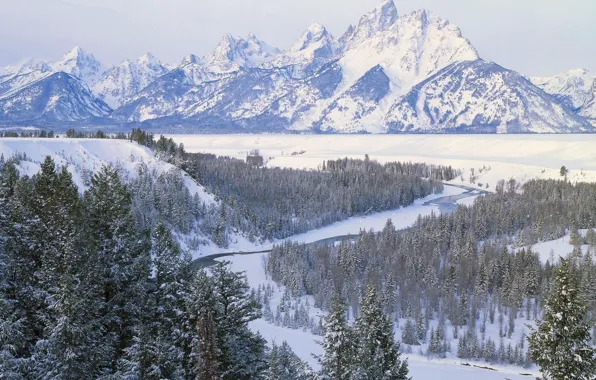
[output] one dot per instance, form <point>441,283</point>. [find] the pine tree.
<point>409,333</point>
<point>164,327</point>
<point>223,306</point>
<point>421,327</point>
<point>377,356</point>
<point>285,365</point>
<point>560,344</point>
<point>338,345</point>
<point>124,261</point>
<point>72,343</point>
<point>436,345</point>
<point>12,332</point>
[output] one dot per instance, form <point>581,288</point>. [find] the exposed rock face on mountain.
<point>388,73</point>
<point>79,64</point>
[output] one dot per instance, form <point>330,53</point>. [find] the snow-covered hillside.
<point>83,157</point>
<point>575,88</point>
<point>366,80</point>
<point>57,97</point>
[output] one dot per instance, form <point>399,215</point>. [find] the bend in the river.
<point>447,204</point>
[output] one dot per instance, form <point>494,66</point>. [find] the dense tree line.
<point>458,270</point>
<point>437,172</point>
<point>276,202</point>
<point>37,133</point>
<point>269,203</point>
<point>163,197</point>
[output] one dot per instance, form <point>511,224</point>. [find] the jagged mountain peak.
<point>379,19</point>
<point>148,59</point>
<point>80,64</point>
<point>576,88</point>
<point>26,66</point>
<point>233,54</point>
<point>128,78</point>
<point>58,97</point>
<point>74,53</point>
<point>191,59</point>
<point>315,33</point>
<point>480,96</point>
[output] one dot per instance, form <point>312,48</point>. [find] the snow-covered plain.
<point>492,157</point>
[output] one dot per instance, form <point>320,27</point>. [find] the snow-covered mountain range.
<point>388,73</point>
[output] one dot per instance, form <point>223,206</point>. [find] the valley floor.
<point>484,159</point>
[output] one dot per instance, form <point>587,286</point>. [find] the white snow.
<point>522,157</point>
<point>552,250</point>
<point>493,157</point>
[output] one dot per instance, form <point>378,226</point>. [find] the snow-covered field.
<point>553,249</point>
<point>492,157</point>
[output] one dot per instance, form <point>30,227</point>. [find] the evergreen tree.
<point>560,344</point>
<point>73,333</point>
<point>124,261</point>
<point>224,306</point>
<point>285,365</point>
<point>338,345</point>
<point>164,328</point>
<point>377,356</point>
<point>409,333</point>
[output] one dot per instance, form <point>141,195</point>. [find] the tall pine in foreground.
<point>220,307</point>
<point>377,356</point>
<point>124,263</point>
<point>338,345</point>
<point>561,343</point>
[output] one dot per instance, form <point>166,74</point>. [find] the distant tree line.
<point>37,133</point>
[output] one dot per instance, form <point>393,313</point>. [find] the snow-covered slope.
<point>480,96</point>
<point>315,47</point>
<point>54,98</point>
<point>576,88</point>
<point>127,79</point>
<point>84,157</point>
<point>385,55</point>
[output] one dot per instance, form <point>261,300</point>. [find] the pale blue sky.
<point>535,37</point>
